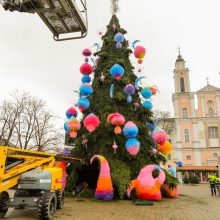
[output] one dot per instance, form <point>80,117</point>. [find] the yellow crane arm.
<point>26,160</point>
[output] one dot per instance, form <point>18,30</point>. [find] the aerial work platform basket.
<point>66,19</point>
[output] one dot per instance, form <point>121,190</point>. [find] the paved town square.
<point>194,203</point>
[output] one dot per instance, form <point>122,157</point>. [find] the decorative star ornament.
<point>102,77</point>
<point>114,146</point>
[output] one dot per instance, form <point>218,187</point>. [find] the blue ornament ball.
<point>132,142</point>
<point>130,129</point>
<point>86,89</point>
<point>146,93</point>
<point>171,170</point>
<point>180,164</point>
<point>148,105</point>
<point>129,89</point>
<point>83,104</point>
<point>86,79</point>
<point>151,126</point>
<point>65,126</point>
<point>119,37</point>
<point>117,71</point>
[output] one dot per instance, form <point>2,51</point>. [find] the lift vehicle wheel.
<point>47,205</point>
<point>60,198</point>
<point>4,198</point>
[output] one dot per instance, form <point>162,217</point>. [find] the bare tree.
<point>25,121</point>
<point>10,112</point>
<point>45,134</point>
<point>164,121</point>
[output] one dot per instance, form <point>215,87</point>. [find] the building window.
<point>213,132</point>
<point>215,155</point>
<point>188,157</point>
<point>186,135</point>
<point>169,140</point>
<point>185,113</point>
<point>182,85</point>
<point>210,108</point>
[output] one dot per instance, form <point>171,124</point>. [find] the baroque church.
<point>196,140</point>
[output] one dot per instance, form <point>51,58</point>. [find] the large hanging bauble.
<point>86,69</point>
<point>91,122</point>
<point>86,78</point>
<point>119,37</point>
<point>87,52</point>
<point>74,124</point>
<point>139,52</point>
<point>132,146</point>
<point>117,71</point>
<point>71,112</point>
<point>130,129</point>
<point>148,105</point>
<point>116,119</point>
<point>159,137</point>
<point>165,148</point>
<point>83,104</point>
<point>129,90</point>
<point>146,92</point>
<point>86,89</point>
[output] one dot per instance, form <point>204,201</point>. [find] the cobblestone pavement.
<point>194,203</point>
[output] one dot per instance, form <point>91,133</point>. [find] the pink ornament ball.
<point>71,112</point>
<point>91,122</point>
<point>159,137</point>
<point>86,69</point>
<point>86,59</point>
<point>139,52</point>
<point>133,146</point>
<point>87,52</point>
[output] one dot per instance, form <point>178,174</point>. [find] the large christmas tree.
<point>111,98</point>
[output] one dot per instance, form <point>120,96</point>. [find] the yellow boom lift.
<point>66,19</point>
<point>35,178</point>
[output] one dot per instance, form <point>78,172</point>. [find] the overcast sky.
<point>31,60</point>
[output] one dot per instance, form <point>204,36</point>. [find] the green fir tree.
<point>124,167</point>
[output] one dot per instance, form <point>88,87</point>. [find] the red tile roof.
<point>191,168</point>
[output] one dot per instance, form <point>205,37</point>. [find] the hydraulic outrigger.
<point>37,181</point>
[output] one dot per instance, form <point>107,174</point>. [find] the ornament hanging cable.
<point>114,6</point>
